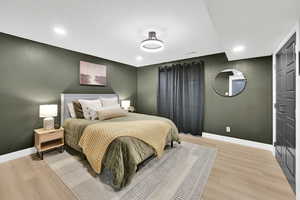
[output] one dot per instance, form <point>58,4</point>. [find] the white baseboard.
<point>243,142</point>
<point>268,147</point>
<point>17,154</point>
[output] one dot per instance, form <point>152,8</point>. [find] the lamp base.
<point>48,123</point>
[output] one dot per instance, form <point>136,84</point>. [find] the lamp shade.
<point>125,104</point>
<point>48,110</point>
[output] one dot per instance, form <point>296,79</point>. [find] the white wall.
<point>295,29</point>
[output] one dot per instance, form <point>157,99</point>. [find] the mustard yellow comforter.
<point>97,137</point>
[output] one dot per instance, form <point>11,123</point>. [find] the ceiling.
<point>113,29</point>
<point>259,25</point>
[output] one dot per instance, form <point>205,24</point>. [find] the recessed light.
<point>59,30</point>
<point>239,48</point>
<point>139,58</point>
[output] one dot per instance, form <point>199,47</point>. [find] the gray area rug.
<point>180,174</point>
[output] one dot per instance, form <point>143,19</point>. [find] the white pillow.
<point>107,102</point>
<point>111,112</point>
<point>90,108</point>
<point>71,110</point>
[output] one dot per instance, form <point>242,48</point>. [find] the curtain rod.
<point>185,61</point>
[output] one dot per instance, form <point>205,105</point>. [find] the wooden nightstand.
<point>49,139</point>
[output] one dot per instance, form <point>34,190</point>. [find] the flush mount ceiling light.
<point>239,48</point>
<point>152,44</point>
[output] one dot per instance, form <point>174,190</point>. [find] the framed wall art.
<point>92,74</point>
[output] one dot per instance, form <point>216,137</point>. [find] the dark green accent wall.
<point>32,73</point>
<point>249,114</point>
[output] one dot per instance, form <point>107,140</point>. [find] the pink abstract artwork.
<point>92,74</point>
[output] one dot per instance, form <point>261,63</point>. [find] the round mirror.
<point>229,82</point>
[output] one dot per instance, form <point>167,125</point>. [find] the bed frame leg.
<point>83,157</point>
<point>172,144</point>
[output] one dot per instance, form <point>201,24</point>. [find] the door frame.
<point>295,29</point>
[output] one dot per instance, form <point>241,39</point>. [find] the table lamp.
<point>48,112</point>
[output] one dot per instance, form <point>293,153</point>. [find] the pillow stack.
<point>98,109</point>
<point>90,107</point>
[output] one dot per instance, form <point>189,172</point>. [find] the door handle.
<point>280,107</point>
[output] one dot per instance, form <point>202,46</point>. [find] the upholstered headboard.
<point>68,98</point>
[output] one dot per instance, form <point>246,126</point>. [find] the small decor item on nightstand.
<point>125,104</point>
<point>48,112</point>
<point>131,109</point>
<point>56,126</point>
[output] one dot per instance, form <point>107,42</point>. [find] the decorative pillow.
<point>90,108</point>
<point>78,110</point>
<point>107,102</point>
<point>111,112</point>
<point>71,110</point>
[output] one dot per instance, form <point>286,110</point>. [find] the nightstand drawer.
<point>51,136</point>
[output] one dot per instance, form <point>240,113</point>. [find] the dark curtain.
<point>181,95</point>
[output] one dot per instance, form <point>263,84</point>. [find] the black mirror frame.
<point>216,91</point>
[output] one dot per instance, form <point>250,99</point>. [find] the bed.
<point>125,154</point>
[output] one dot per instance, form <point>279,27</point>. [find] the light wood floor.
<point>239,173</point>
<point>29,178</point>
<point>243,173</point>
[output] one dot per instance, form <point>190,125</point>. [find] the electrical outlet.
<point>228,129</point>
